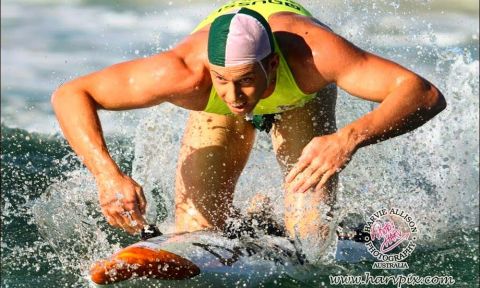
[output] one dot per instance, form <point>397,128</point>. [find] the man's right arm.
<point>135,84</point>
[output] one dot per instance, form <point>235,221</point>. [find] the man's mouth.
<point>238,105</point>
<point>239,108</point>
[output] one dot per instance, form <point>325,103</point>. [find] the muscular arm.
<point>134,84</point>
<point>406,102</point>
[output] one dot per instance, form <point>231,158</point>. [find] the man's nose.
<point>233,94</point>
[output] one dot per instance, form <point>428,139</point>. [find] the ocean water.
<point>52,229</point>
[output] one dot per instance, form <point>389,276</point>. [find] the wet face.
<point>241,87</point>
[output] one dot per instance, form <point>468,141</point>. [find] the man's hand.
<point>123,202</point>
<point>320,160</point>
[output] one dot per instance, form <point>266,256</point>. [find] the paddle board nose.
<point>137,261</point>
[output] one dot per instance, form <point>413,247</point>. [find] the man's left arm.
<point>406,100</point>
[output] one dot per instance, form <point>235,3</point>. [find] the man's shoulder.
<point>298,35</point>
<point>295,23</point>
<point>300,39</point>
<point>192,52</point>
<point>193,47</point>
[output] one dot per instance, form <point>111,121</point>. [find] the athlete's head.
<point>242,58</point>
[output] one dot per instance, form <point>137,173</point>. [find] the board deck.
<point>186,255</point>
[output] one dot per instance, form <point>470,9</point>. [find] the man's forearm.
<point>407,108</point>
<point>77,114</point>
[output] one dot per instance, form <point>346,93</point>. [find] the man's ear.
<point>274,62</point>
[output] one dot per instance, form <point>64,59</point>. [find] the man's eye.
<point>219,78</point>
<point>247,80</point>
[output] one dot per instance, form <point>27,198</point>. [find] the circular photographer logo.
<point>393,233</point>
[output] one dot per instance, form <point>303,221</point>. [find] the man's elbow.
<point>429,97</point>
<point>434,100</point>
<point>68,95</point>
<point>58,97</point>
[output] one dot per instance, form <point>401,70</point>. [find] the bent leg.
<point>305,212</point>
<point>214,151</point>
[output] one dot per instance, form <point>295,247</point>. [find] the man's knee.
<point>214,151</point>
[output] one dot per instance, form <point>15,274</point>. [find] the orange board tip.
<point>135,262</point>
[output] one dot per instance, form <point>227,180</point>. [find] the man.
<point>250,64</point>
